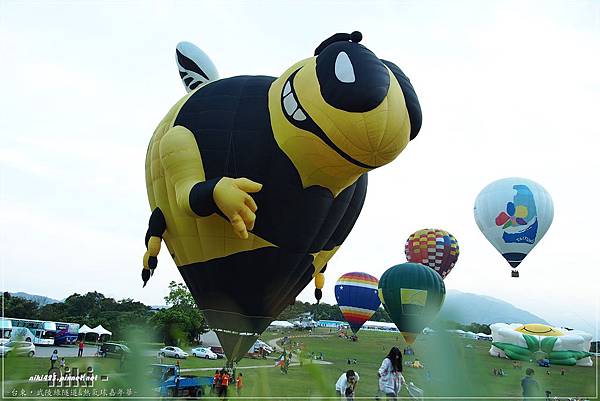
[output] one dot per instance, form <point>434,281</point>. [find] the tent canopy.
<point>281,323</point>
<point>101,330</point>
<point>85,329</point>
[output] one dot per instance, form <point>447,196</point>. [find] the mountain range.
<point>40,299</point>
<point>466,308</point>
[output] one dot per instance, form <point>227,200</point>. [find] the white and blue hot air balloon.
<point>514,214</point>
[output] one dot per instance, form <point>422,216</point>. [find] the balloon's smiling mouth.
<point>537,332</point>
<point>298,117</point>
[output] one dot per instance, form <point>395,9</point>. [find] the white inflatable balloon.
<point>195,67</point>
<point>514,214</point>
<point>510,342</point>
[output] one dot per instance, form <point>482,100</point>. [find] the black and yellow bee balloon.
<point>254,181</point>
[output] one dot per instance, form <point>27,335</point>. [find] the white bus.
<point>5,330</point>
<point>38,332</point>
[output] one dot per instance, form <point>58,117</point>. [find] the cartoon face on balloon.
<point>344,103</point>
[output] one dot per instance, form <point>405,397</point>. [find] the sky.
<point>507,88</point>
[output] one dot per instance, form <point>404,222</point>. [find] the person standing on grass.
<point>224,383</point>
<point>530,386</point>
<point>216,379</point>
<point>239,383</point>
<point>390,374</point>
<point>53,358</point>
<point>80,352</point>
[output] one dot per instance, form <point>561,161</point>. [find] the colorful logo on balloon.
<point>519,221</point>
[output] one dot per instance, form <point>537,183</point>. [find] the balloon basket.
<point>515,273</point>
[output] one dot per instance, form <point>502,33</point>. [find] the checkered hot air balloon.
<point>431,247</point>
<point>356,295</point>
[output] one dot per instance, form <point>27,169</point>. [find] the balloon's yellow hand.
<point>231,195</point>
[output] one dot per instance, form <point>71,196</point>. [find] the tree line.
<point>179,322</point>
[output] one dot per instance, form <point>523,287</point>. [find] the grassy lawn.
<point>451,370</point>
<point>455,370</point>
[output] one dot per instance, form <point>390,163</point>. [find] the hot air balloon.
<point>514,214</point>
<point>254,182</point>
<point>412,294</point>
<point>434,248</point>
<point>356,295</point>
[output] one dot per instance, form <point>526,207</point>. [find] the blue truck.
<point>172,384</point>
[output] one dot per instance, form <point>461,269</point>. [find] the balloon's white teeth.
<point>290,104</point>
<point>299,115</point>
<point>287,89</point>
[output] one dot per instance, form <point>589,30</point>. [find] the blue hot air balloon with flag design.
<point>356,294</point>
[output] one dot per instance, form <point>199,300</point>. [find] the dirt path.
<point>295,361</point>
<point>254,367</point>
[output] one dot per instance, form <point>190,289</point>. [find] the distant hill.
<point>467,308</point>
<point>40,299</point>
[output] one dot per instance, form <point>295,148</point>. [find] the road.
<point>66,351</point>
<point>70,351</point>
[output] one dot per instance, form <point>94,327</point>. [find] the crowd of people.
<point>389,374</point>
<point>390,377</point>
<point>225,378</point>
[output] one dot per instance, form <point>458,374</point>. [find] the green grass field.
<point>455,370</point>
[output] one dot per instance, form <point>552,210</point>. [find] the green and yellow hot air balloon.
<point>412,295</point>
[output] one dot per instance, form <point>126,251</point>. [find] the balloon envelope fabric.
<point>434,248</point>
<point>356,295</point>
<point>412,294</point>
<point>514,214</point>
<point>254,182</point>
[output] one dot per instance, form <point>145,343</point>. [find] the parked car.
<point>173,352</point>
<point>113,350</point>
<point>260,343</point>
<point>205,353</point>
<point>219,351</point>
<point>17,348</point>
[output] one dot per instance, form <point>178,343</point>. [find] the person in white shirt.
<point>346,384</point>
<point>53,358</point>
<point>390,374</point>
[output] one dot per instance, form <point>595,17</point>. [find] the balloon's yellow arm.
<point>184,170</point>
